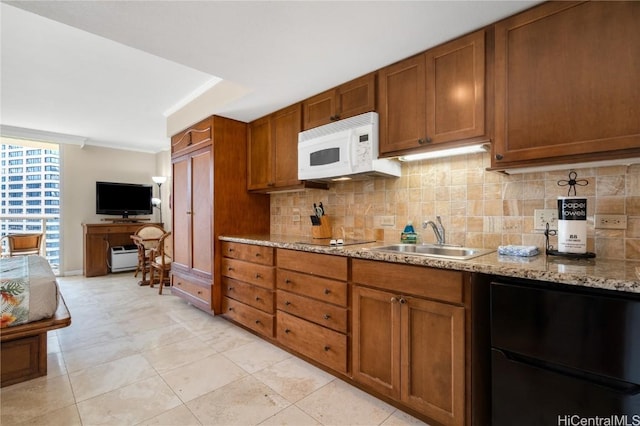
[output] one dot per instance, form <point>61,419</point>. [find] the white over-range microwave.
<point>345,149</point>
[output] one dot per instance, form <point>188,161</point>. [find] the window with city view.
<point>30,193</point>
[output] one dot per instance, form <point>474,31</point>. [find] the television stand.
<point>126,220</point>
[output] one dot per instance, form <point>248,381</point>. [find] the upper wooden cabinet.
<point>272,152</point>
<point>567,87</point>
<point>433,98</point>
<point>347,100</point>
<point>195,137</point>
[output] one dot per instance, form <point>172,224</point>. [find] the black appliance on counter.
<point>563,354</point>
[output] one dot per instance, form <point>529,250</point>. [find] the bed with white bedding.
<point>30,306</point>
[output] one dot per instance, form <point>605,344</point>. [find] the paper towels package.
<point>572,225</point>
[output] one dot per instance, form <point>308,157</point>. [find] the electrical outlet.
<point>610,221</point>
<point>543,216</point>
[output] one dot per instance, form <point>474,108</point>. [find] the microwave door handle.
<point>353,147</point>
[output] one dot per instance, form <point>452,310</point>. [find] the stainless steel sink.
<point>432,250</point>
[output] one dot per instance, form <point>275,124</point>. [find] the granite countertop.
<point>597,273</point>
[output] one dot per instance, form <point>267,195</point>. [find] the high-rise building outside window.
<point>24,206</point>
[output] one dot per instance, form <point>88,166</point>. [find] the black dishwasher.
<point>562,355</point>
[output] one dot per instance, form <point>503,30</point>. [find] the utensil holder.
<point>323,230</point>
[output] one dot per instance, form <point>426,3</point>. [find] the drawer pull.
<point>286,330</point>
<point>393,299</point>
<point>231,250</point>
<point>326,316</point>
<point>327,291</point>
<point>257,298</point>
<point>199,292</point>
<point>230,288</point>
<point>179,283</point>
<point>326,348</point>
<point>258,255</point>
<point>230,308</point>
<point>229,268</point>
<point>258,322</point>
<point>287,281</point>
<point>258,275</point>
<point>287,303</point>
<point>403,301</point>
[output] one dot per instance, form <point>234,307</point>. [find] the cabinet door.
<point>285,129</point>
<point>567,83</point>
<point>376,340</point>
<point>201,212</point>
<point>356,97</point>
<point>433,373</point>
<point>319,109</point>
<point>260,154</point>
<point>402,105</point>
<point>181,213</point>
<point>455,89</point>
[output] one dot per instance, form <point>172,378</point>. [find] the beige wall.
<point>80,169</point>
<point>478,208</point>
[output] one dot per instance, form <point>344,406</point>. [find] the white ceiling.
<point>107,71</point>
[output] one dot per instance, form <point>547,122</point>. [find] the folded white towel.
<point>512,250</point>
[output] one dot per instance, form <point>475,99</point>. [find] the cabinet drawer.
<point>196,290</point>
<point>325,346</point>
<point>259,275</point>
<point>252,318</point>
<point>193,138</point>
<point>331,316</point>
<point>439,284</point>
<point>313,263</point>
<point>324,289</point>
<point>258,297</point>
<point>248,252</point>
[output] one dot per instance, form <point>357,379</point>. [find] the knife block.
<point>323,230</point>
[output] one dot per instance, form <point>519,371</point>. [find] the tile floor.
<point>132,357</point>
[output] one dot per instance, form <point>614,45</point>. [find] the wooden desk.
<point>98,238</point>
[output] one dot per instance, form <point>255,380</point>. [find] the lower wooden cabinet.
<point>197,293</point>
<point>406,346</point>
<point>400,331</point>
<point>248,286</point>
<point>321,344</point>
<point>312,315</point>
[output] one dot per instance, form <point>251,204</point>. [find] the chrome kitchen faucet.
<point>438,229</point>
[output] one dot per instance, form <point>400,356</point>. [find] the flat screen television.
<point>123,199</point>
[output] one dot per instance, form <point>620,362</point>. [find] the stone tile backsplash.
<point>478,208</point>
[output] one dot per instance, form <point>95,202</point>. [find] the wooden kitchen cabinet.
<point>272,152</point>
<point>312,314</point>
<point>248,280</point>
<point>566,84</point>
<point>355,97</point>
<point>434,98</point>
<point>409,336</point>
<point>209,198</point>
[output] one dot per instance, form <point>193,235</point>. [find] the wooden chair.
<point>161,258</point>
<point>146,238</point>
<point>22,244</point>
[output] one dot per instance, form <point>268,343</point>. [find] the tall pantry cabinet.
<point>210,198</point>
